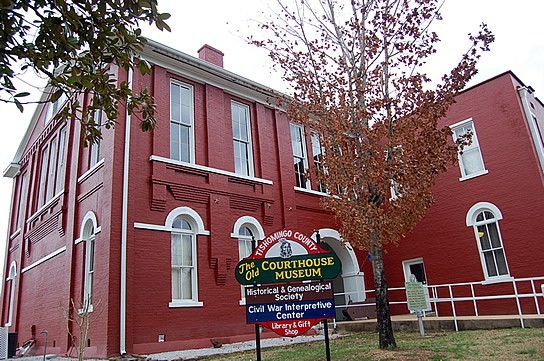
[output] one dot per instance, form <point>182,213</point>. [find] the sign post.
<point>417,302</point>
<point>288,270</point>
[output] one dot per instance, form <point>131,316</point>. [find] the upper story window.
<point>94,151</point>
<point>241,134</point>
<point>318,152</point>
<point>484,218</point>
<point>54,107</point>
<point>181,122</point>
<point>22,198</point>
<point>52,168</point>
<point>299,156</point>
<point>470,159</point>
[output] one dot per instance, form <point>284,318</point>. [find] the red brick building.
<point>145,228</point>
<point>485,226</point>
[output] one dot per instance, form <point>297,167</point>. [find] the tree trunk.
<point>385,328</point>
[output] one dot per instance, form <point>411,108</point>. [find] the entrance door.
<point>414,268</point>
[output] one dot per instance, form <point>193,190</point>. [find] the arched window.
<point>11,281</point>
<point>246,229</point>
<point>484,218</point>
<point>184,224</point>
<point>89,236</point>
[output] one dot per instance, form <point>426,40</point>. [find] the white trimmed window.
<point>181,122</point>
<point>484,218</point>
<point>470,158</point>
<point>22,198</point>
<point>89,237</point>
<point>53,108</point>
<point>11,284</point>
<point>94,151</point>
<point>299,156</point>
<point>246,230</point>
<point>318,152</point>
<point>61,161</point>
<point>43,176</point>
<point>241,134</point>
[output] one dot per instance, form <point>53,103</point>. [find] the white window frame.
<point>42,193</point>
<point>248,166</point>
<point>11,278</point>
<point>474,145</point>
<point>304,156</point>
<point>22,200</point>
<point>51,169</point>
<point>61,160</point>
<point>89,229</point>
<point>318,163</point>
<point>54,107</point>
<point>191,124</point>
<point>94,151</point>
<point>473,212</point>
<point>197,227</point>
<point>258,233</point>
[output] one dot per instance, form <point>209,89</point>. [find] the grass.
<point>505,344</point>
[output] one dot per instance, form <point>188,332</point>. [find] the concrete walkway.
<point>403,323</point>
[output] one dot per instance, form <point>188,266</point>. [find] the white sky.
<point>519,46</point>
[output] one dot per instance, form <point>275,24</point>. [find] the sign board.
<point>289,309</point>
<point>287,256</point>
<point>415,295</point>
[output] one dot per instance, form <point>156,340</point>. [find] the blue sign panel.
<point>285,311</point>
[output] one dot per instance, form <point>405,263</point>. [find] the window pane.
<point>489,215</point>
<point>175,111</point>
<point>472,161</point>
<point>187,250</point>
<point>245,231</point>
<point>43,176</point>
<point>177,259</point>
<point>490,264</point>
<point>174,141</point>
<point>480,217</point>
<point>494,235</point>
<point>296,141</point>
<point>185,152</point>
<point>176,280</point>
<point>484,238</point>
<point>501,262</point>
<point>186,284</point>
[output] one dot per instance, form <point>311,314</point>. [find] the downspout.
<point>124,227</point>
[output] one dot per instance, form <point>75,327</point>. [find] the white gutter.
<point>124,227</point>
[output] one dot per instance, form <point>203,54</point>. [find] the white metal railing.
<point>435,300</point>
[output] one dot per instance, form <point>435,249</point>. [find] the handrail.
<point>435,300</point>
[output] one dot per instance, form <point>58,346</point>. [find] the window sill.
<point>46,206</point>
<point>474,175</point>
<point>208,169</point>
<point>91,171</point>
<point>501,279</point>
<point>81,311</point>
<point>178,304</point>
<point>310,191</point>
<point>15,234</point>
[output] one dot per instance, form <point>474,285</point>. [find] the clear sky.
<point>519,47</point>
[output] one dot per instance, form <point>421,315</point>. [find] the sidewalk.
<point>197,353</point>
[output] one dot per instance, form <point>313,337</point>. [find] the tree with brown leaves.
<point>356,69</point>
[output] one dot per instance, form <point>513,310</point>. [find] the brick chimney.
<point>211,55</point>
